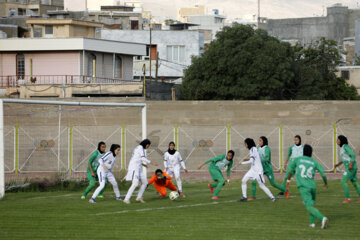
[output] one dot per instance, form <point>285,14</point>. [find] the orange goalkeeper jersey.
<point>162,181</point>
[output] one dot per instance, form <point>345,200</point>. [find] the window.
<point>21,11</point>
<point>20,66</point>
<point>218,20</point>
<point>345,75</point>
<point>37,32</point>
<point>175,53</point>
<point>134,25</point>
<point>49,30</point>
<point>118,67</point>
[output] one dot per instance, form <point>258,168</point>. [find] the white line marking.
<point>163,208</point>
<point>66,195</point>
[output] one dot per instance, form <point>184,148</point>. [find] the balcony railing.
<point>16,81</point>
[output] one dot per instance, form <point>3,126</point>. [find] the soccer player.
<point>106,163</point>
<point>256,171</point>
<point>305,167</point>
<point>162,181</point>
<point>295,150</point>
<point>135,172</point>
<point>350,174</point>
<point>216,165</point>
<point>172,161</point>
<point>93,165</point>
<point>265,156</point>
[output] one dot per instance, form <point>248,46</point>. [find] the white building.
<point>175,49</point>
<point>84,5</point>
<point>213,22</point>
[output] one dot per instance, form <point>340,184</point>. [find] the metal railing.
<point>16,81</point>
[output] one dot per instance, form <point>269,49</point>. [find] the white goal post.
<point>65,103</point>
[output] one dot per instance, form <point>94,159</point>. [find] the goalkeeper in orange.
<point>162,181</point>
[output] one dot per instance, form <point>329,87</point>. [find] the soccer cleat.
<point>182,195</point>
<point>280,194</point>
<point>287,195</point>
<point>358,201</point>
<point>273,199</point>
<point>100,196</point>
<point>347,200</point>
<point>82,197</point>
<point>118,199</point>
<point>242,199</point>
<point>215,198</point>
<point>252,198</point>
<point>312,225</point>
<point>140,200</point>
<point>126,201</point>
<point>92,200</point>
<point>324,222</point>
<point>211,188</point>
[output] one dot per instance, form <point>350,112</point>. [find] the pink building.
<point>66,61</point>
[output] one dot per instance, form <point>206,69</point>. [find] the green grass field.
<point>63,215</point>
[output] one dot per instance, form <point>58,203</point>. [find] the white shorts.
<point>251,175</point>
<point>135,174</point>
<point>174,171</point>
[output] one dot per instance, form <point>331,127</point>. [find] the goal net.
<point>54,140</point>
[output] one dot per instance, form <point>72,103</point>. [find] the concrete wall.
<point>59,63</point>
<point>57,91</point>
<point>7,64</point>
<point>334,26</point>
<point>202,128</point>
<point>190,39</point>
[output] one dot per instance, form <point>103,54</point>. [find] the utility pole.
<point>157,66</point>
<point>258,20</point>
<point>150,61</point>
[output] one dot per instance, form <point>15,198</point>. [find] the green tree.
<point>315,74</point>
<point>247,64</point>
<point>242,63</point>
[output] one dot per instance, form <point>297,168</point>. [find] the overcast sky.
<point>245,8</point>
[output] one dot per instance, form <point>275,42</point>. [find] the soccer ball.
<point>174,195</point>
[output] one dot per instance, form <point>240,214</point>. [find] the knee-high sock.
<point>315,212</point>
<point>244,188</point>
<point>345,187</point>
<point>179,184</point>
<point>134,184</point>
<point>98,189</point>
<point>142,189</point>
<point>357,187</point>
<point>265,189</point>
<point>113,182</point>
<point>253,188</point>
<point>220,184</point>
<point>88,189</point>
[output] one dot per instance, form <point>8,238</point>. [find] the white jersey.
<point>255,161</point>
<point>172,161</point>
<point>108,160</point>
<point>138,158</point>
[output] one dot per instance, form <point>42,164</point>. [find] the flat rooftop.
<point>71,44</point>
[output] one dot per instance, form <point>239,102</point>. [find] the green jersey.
<point>305,168</point>
<point>295,151</point>
<point>221,162</point>
<point>265,155</point>
<point>347,156</point>
<point>94,160</point>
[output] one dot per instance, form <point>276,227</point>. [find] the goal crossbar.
<point>65,103</point>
